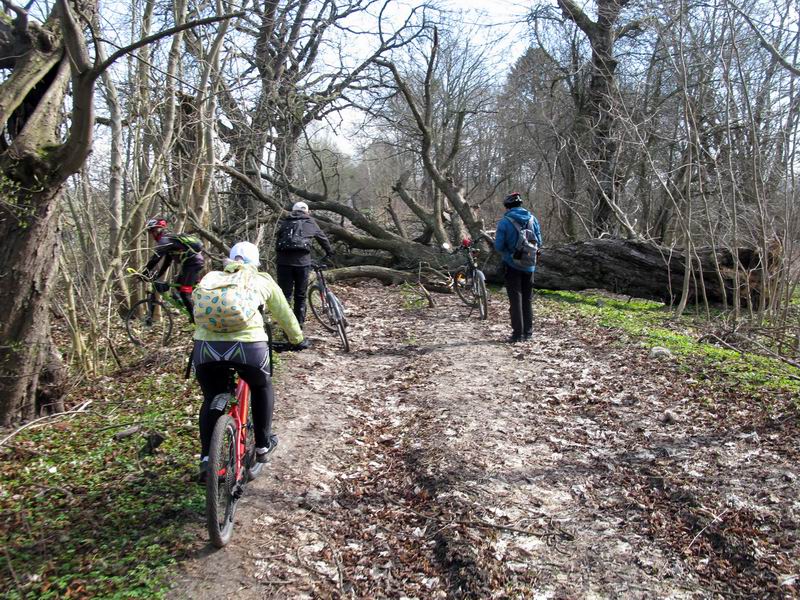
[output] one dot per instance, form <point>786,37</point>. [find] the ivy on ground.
<point>86,514</point>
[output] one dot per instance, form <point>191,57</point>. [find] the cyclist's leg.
<point>255,371</point>
<point>187,278</point>
<point>300,276</point>
<point>212,375</point>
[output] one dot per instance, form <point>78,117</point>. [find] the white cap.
<point>246,253</point>
<point>300,206</point>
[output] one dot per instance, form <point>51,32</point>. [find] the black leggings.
<point>213,362</point>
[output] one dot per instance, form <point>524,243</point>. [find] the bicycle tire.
<point>253,468</point>
<point>220,481</point>
<point>316,300</point>
<point>145,333</point>
<point>338,319</point>
<point>462,283</point>
<point>483,296</point>
<point>341,330</point>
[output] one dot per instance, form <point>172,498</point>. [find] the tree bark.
<point>631,268</point>
<point>604,181</point>
<point>33,169</point>
<point>28,260</point>
<point>645,270</point>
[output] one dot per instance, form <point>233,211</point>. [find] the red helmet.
<point>156,227</point>
<point>466,243</point>
<point>156,223</point>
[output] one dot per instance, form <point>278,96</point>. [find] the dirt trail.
<point>434,461</point>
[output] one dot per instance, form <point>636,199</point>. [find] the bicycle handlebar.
<point>139,274</point>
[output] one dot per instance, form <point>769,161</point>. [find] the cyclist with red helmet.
<point>181,248</point>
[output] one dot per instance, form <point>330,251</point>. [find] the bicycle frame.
<point>238,411</point>
<point>470,282</point>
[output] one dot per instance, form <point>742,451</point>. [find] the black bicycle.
<point>469,281</point>
<point>326,307</point>
<point>149,321</point>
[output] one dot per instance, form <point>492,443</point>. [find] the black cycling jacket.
<point>302,258</point>
<point>170,248</point>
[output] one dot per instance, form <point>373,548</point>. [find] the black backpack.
<point>291,237</point>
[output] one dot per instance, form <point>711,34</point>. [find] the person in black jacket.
<point>293,255</point>
<point>182,248</point>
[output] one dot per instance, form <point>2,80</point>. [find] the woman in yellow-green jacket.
<point>246,350</point>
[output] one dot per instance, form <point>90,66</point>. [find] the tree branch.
<point>571,11</point>
<point>99,68</point>
<point>765,43</point>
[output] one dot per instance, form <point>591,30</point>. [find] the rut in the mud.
<point>435,461</point>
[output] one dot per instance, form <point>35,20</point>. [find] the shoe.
<point>514,339</point>
<point>202,473</point>
<point>305,344</point>
<point>263,453</point>
<point>527,337</point>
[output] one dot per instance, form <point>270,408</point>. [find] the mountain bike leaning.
<point>232,456</point>
<point>469,281</point>
<point>326,307</point>
<point>149,322</point>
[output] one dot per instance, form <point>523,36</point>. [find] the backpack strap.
<point>516,225</point>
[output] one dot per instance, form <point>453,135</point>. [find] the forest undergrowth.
<point>432,461</point>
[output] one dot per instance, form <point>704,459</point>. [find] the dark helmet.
<point>156,223</point>
<point>512,200</point>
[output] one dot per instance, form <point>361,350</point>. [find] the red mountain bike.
<point>231,458</point>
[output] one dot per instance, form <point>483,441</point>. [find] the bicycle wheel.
<point>252,467</point>
<point>319,308</point>
<point>342,331</point>
<point>338,319</point>
<point>146,329</point>
<point>221,481</point>
<point>483,296</point>
<point>462,283</point>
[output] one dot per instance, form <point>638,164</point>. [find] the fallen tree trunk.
<point>431,281</point>
<point>632,268</point>
<point>645,270</point>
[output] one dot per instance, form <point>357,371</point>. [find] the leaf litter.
<point>434,461</point>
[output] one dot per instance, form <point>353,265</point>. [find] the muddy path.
<point>434,461</point>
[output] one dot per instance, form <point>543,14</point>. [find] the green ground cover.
<point>83,514</point>
<point>653,324</point>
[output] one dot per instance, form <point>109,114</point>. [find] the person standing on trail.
<point>293,256</point>
<point>519,239</point>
